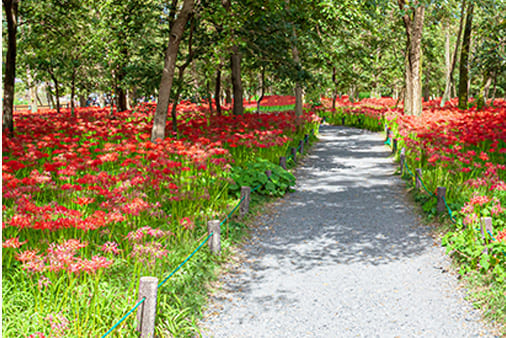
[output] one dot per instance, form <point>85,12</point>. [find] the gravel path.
<point>343,256</point>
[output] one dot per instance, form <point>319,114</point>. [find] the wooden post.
<point>387,132</point>
<point>359,121</point>
<point>441,195</point>
<point>294,154</point>
<point>214,241</point>
<point>268,173</point>
<point>418,178</point>
<point>342,120</point>
<point>244,207</point>
<point>146,312</point>
<point>282,162</point>
<point>306,138</point>
<point>394,146</point>
<point>403,160</point>
<point>301,146</point>
<point>486,225</point>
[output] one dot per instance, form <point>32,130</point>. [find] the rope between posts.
<point>431,193</point>
<point>124,317</point>
<point>186,259</point>
<point>449,210</point>
<point>493,238</point>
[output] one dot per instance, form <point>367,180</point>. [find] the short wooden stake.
<point>301,146</point>
<point>418,178</point>
<point>402,157</point>
<point>342,120</point>
<point>268,173</point>
<point>306,138</point>
<point>294,154</point>
<point>244,207</point>
<point>441,195</point>
<point>214,241</point>
<point>387,132</point>
<point>486,226</point>
<point>146,312</point>
<point>394,146</point>
<point>282,162</point>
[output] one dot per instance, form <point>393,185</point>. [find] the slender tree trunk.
<point>11,15</point>
<point>73,93</point>
<point>160,119</point>
<point>413,79</point>
<point>262,80</point>
<point>464,59</point>
<point>209,97</point>
<point>82,100</point>
<point>56,90</point>
<point>33,91</point>
<point>49,96</point>
<point>217,91</point>
<point>449,75</point>
<point>334,90</point>
<point>180,78</point>
<point>237,81</point>
<point>39,101</point>
<point>426,86</point>
<point>298,86</point>
<point>121,97</point>
<point>228,95</point>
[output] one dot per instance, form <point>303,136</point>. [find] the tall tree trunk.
<point>56,90</point>
<point>11,15</point>
<point>180,78</point>
<point>334,91</point>
<point>176,33</point>
<point>33,91</point>
<point>413,79</point>
<point>262,80</point>
<point>82,100</point>
<point>450,70</point>
<point>49,96</point>
<point>73,93</point>
<point>298,86</point>
<point>228,95</point>
<point>426,86</point>
<point>464,59</point>
<point>209,97</point>
<point>217,90</point>
<point>237,81</point>
<point>121,96</point>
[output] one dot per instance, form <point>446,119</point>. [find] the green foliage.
<point>253,175</point>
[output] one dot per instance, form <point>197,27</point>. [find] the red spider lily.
<point>13,243</point>
<point>501,236</point>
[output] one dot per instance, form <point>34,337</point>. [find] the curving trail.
<point>343,256</point>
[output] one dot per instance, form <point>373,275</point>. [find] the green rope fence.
<point>188,257</point>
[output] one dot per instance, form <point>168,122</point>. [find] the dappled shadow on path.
<point>348,208</point>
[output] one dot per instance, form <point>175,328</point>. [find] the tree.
<point>464,58</point>
<point>176,33</point>
<point>11,14</point>
<point>451,62</point>
<point>413,16</point>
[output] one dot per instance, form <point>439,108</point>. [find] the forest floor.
<point>345,255</point>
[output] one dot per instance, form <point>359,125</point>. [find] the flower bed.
<point>90,204</point>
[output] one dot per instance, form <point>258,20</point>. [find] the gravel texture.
<point>343,256</point>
